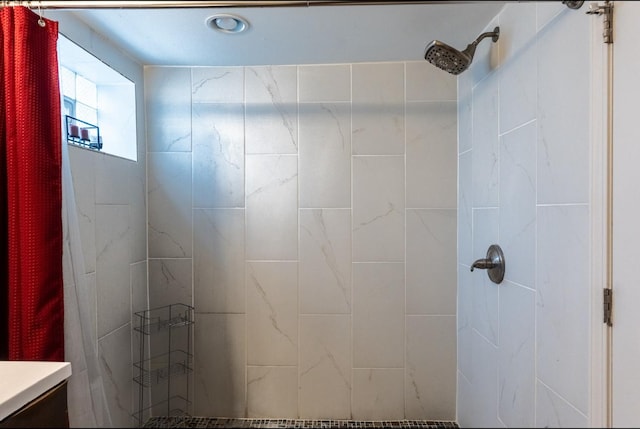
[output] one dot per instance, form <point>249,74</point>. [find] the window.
<point>98,103</point>
<point>80,105</point>
<point>80,96</point>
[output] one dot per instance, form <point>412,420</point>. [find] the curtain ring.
<point>41,21</point>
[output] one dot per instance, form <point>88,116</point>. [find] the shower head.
<point>452,60</point>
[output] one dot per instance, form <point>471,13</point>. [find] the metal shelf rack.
<point>165,361</point>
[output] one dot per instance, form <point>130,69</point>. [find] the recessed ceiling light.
<point>227,23</point>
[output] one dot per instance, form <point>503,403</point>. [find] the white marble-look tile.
<point>378,209</point>
<point>167,92</point>
<point>562,304</point>
<point>563,111</point>
<point>486,145</point>
<point>378,83</point>
<point>272,391</point>
<point>271,110</point>
<point>272,207</point>
<point>431,262</point>
<point>485,292</point>
<point>141,132</point>
<point>217,84</point>
<point>169,200</point>
<point>325,155</point>
<point>325,367</point>
<point>177,401</point>
<point>464,402</point>
<point>378,394</point>
<point>552,411</point>
<point>218,260</point>
<point>73,351</point>
<point>378,315</point>
<point>465,112</point>
<point>115,364</point>
<point>518,203</point>
<point>76,391</point>
<point>112,176</point>
<point>83,175</point>
<point>431,154</point>
<point>112,267</point>
<point>169,294</point>
<point>548,11</point>
<point>139,303</point>
<point>428,83</point>
<point>170,282</point>
<point>161,390</point>
<point>220,365</point>
<point>325,261</point>
<point>378,109</point>
<point>516,367</point>
<point>272,313</point>
<point>139,293</point>
<point>430,383</point>
<point>138,210</point>
<point>218,155</point>
<point>465,208</point>
<point>518,90</point>
<point>322,83</point>
<point>483,392</point>
<point>517,29</point>
<point>464,316</point>
<point>92,293</point>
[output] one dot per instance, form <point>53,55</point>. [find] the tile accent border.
<point>214,422</point>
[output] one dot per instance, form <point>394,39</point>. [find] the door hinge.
<point>607,303</point>
<point>606,10</point>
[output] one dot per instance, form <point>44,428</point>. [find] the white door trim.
<point>600,212</point>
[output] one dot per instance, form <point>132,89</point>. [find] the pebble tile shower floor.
<point>214,422</point>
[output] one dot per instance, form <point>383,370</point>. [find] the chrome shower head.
<point>452,60</point>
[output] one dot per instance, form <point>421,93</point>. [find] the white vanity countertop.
<point>21,382</point>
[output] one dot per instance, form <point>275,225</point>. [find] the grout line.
<point>404,310</point>
<point>298,318</point>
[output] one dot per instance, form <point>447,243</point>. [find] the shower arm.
<point>493,34</point>
<point>172,4</point>
<point>471,47</point>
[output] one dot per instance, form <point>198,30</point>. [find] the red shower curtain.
<point>30,189</point>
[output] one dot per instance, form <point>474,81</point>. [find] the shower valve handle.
<point>483,264</point>
<point>493,263</point>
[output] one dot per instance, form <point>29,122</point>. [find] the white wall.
<point>523,114</point>
<point>309,214</point>
<point>111,198</point>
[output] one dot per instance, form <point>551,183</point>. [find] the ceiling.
<point>291,35</point>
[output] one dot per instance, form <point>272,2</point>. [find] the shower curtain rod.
<point>161,4</point>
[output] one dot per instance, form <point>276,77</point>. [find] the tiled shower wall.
<point>309,214</point>
<point>524,147</point>
<point>110,195</point>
